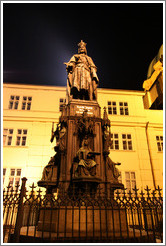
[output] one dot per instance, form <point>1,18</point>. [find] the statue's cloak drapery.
<point>83,71</point>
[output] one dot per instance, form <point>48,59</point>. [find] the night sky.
<point>122,39</point>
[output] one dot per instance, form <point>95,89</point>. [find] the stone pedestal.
<point>74,220</point>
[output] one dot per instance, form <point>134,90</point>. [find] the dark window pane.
<point>114,110</point>
<point>24,131</point>
<point>126,111</point>
<point>130,147</point>
<point>4,171</point>
<point>28,106</point>
<point>10,105</point>
<point>9,140</point>
<point>124,145</point>
<point>16,105</point>
<point>19,131</point>
<point>23,105</point>
<point>12,172</point>
<point>132,175</point>
<point>109,110</point>
<point>10,131</point>
<point>11,180</point>
<point>18,141</point>
<point>18,172</point>
<point>121,111</point>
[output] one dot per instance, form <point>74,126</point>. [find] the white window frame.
<point>114,141</point>
<point>21,137</point>
<point>159,141</point>
<point>123,108</point>
<point>112,107</point>
<point>7,136</point>
<point>14,176</point>
<point>26,103</point>
<point>127,141</point>
<point>14,102</point>
<point>130,181</point>
<point>62,101</point>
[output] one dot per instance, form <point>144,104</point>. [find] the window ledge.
<point>13,146</point>
<point>121,150</point>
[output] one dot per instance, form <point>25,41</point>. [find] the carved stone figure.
<point>86,165</point>
<point>48,170</point>
<point>85,127</point>
<point>59,134</point>
<point>82,77</point>
<point>112,172</point>
<point>106,139</point>
<point>51,170</point>
<point>106,133</point>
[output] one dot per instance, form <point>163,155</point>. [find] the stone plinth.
<point>83,220</point>
<point>76,108</point>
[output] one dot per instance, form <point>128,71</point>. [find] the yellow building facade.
<point>28,115</point>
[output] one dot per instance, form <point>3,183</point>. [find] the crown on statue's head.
<point>82,44</point>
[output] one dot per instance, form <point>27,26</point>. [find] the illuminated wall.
<point>28,114</point>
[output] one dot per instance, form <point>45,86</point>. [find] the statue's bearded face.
<point>82,50</point>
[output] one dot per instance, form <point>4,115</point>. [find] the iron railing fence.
<point>31,216</point>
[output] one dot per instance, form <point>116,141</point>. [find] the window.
<point>26,103</point>
<point>120,191</point>
<point>15,175</point>
<point>123,107</point>
<point>120,177</point>
<point>13,102</point>
<point>7,136</point>
<point>127,142</point>
<point>21,137</point>
<point>62,101</point>
<point>112,107</point>
<point>130,180</point>
<point>159,140</point>
<point>114,141</point>
<point>4,173</point>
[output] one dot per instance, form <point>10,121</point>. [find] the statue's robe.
<point>86,166</point>
<point>83,73</point>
